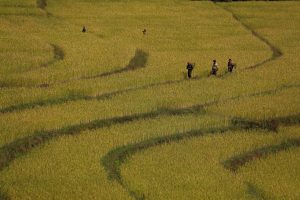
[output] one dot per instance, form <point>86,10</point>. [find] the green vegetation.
<point>110,113</point>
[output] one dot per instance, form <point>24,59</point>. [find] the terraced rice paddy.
<point>110,113</point>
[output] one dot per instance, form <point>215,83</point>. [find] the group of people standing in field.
<point>190,66</point>
<point>214,69</point>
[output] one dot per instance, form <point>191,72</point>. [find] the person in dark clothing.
<point>84,29</point>
<point>190,68</point>
<point>230,65</point>
<point>214,68</point>
<point>144,31</point>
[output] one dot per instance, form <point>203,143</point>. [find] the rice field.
<point>110,113</point>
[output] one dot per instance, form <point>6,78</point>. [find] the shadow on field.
<point>139,60</point>
<point>276,52</point>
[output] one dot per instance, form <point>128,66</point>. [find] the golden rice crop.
<point>70,167</point>
<point>193,169</point>
<point>56,79</point>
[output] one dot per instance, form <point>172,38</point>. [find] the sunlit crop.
<point>110,113</point>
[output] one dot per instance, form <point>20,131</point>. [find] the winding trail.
<point>113,160</point>
<point>70,98</point>
<point>58,55</point>
<point>276,52</point>
<point>106,96</point>
<point>11,151</point>
<point>139,55</point>
<point>138,61</point>
<point>234,163</point>
<point>19,147</point>
<point>116,157</point>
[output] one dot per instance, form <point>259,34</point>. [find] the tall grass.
<point>119,87</point>
<point>73,163</point>
<point>193,169</point>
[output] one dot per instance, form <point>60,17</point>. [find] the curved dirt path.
<point>26,144</point>
<point>236,162</point>
<point>116,157</point>
<point>58,55</point>
<point>11,151</point>
<point>22,146</point>
<point>276,52</point>
<point>138,61</point>
<point>105,96</point>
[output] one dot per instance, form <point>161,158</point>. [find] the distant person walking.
<point>144,31</point>
<point>190,68</point>
<point>84,29</point>
<point>230,65</point>
<point>214,68</point>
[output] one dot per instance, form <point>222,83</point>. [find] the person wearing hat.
<point>230,65</point>
<point>190,68</point>
<point>214,68</point>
